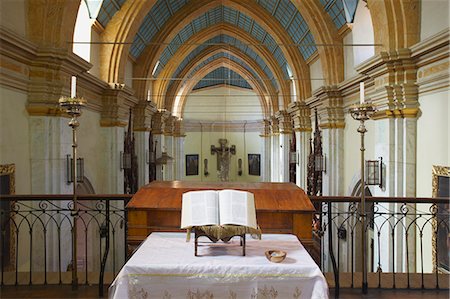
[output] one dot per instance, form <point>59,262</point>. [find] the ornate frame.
<point>10,169</point>
<point>437,171</point>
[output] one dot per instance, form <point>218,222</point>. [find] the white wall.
<point>315,72</point>
<point>434,17</point>
<point>349,66</point>
<point>198,143</point>
<point>223,104</point>
<point>14,137</point>
<point>433,132</point>
<point>95,54</point>
<point>129,73</point>
<point>12,15</point>
<point>433,148</point>
<point>362,33</point>
<point>91,149</point>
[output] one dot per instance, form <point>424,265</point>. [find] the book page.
<point>237,207</point>
<point>199,208</point>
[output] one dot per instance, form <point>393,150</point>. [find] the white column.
<point>284,157</point>
<point>333,149</point>
<point>265,158</point>
<point>159,139</point>
<point>142,151</point>
<point>179,158</point>
<point>274,158</point>
<point>302,139</point>
<point>169,167</point>
<point>50,142</point>
<point>112,140</point>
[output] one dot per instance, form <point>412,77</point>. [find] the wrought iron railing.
<point>405,236</point>
<point>36,238</point>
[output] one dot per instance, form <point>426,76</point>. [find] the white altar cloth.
<point>165,267</point>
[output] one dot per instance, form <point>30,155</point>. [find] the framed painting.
<point>254,164</point>
<point>191,165</point>
<point>441,239</point>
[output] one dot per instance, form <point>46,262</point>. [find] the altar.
<point>164,266</point>
<point>281,208</point>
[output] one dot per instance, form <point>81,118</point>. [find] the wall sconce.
<point>374,172</point>
<point>69,170</point>
<point>239,166</point>
<point>292,157</point>
<point>164,159</point>
<point>125,161</point>
<point>205,170</point>
<point>320,163</point>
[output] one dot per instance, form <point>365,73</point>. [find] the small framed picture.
<point>254,164</point>
<point>191,165</point>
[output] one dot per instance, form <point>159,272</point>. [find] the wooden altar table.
<point>280,208</point>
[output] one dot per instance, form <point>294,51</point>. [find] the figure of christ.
<point>223,158</point>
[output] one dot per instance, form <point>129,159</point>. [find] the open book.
<point>222,207</point>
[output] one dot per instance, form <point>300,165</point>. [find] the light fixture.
<point>292,157</point>
<point>239,166</point>
<point>205,170</point>
<point>320,163</point>
<point>69,169</point>
<point>374,172</point>
<point>164,159</point>
<point>125,160</point>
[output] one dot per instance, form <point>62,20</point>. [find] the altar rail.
<point>408,241</point>
<point>36,238</point>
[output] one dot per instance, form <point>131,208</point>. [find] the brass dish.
<point>275,256</point>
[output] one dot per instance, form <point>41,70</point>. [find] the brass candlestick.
<point>363,112</point>
<point>72,106</point>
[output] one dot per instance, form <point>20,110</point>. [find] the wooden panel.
<point>280,208</point>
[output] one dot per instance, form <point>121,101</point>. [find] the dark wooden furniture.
<point>280,208</point>
<point>198,232</point>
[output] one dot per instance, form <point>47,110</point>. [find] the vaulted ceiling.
<point>271,40</point>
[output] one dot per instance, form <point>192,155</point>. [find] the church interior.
<point>344,101</point>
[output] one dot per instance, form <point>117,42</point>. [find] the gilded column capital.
<point>285,121</point>
<point>169,125</point>
<point>265,132</point>
<point>274,126</point>
<point>178,128</point>
<point>331,108</point>
<point>116,102</point>
<point>143,112</point>
<point>158,121</point>
<point>301,116</point>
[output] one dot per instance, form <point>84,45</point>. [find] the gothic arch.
<point>160,86</point>
<point>269,90</point>
<point>186,90</point>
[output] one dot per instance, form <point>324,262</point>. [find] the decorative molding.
<point>301,116</point>
<point>396,113</point>
<point>231,126</point>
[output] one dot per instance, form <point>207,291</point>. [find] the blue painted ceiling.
<point>283,10</point>
<point>222,76</point>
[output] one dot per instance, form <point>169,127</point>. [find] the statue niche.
<point>223,158</point>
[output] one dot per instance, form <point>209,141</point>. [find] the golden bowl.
<point>275,256</point>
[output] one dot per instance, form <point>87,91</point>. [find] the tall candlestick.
<point>73,87</point>
<point>148,96</point>
<point>361,93</point>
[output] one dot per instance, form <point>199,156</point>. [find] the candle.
<point>73,87</point>
<point>361,93</point>
<point>148,96</point>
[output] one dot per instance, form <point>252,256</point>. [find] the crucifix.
<point>223,158</point>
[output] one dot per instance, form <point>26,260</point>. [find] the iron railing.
<point>404,233</point>
<point>36,238</point>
